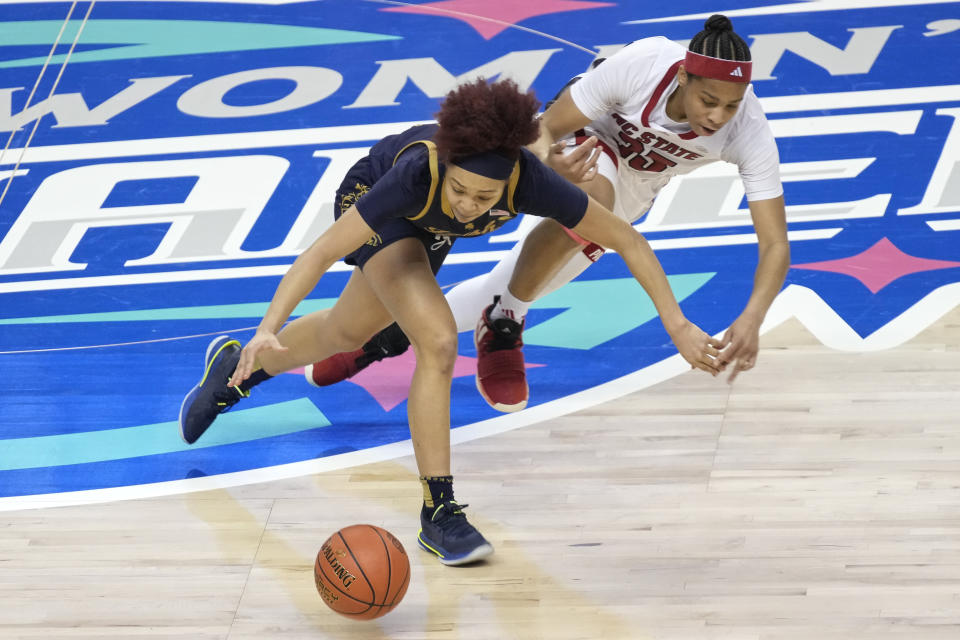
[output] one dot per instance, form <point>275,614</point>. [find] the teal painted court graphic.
<point>152,439</point>
<point>203,312</point>
<point>140,39</point>
<point>598,311</point>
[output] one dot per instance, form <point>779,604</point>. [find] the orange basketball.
<point>362,572</point>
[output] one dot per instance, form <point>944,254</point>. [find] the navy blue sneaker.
<point>446,533</point>
<point>211,396</point>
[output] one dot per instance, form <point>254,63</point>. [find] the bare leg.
<point>547,249</point>
<point>357,315</point>
<point>408,289</point>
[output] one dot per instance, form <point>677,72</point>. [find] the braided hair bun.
<point>718,40</point>
<point>718,22</point>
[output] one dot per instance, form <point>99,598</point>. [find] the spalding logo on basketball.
<point>362,572</point>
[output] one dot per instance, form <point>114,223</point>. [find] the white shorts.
<point>624,205</point>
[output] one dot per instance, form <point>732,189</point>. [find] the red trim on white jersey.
<point>592,250</point>
<point>581,137</point>
<point>655,98</point>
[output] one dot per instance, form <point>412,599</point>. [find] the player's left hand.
<point>580,165</point>
<point>741,344</point>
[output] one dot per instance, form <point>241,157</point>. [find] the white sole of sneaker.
<point>476,555</point>
<point>503,408</point>
<point>180,418</point>
<point>308,374</point>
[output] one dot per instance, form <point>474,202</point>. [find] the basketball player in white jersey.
<point>654,110</point>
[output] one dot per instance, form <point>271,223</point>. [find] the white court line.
<point>859,99</point>
<point>944,225</point>
<point>84,347</point>
<point>739,238</point>
<point>216,142</point>
<point>157,277</point>
<point>795,301</point>
<point>228,273</point>
<point>53,90</point>
<point>798,7</point>
<point>899,122</point>
<point>372,132</point>
<point>29,101</point>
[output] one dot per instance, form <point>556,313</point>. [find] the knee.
<point>436,349</point>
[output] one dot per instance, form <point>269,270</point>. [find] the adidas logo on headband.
<point>717,68</point>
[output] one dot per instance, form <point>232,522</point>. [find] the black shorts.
<point>354,185</point>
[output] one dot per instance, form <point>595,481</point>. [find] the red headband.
<point>717,68</point>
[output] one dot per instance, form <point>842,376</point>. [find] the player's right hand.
<point>580,165</point>
<point>261,341</point>
<point>698,348</point>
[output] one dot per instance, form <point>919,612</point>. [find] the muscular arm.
<point>602,227</point>
<point>742,339</point>
<point>770,222</point>
<point>345,235</point>
<point>562,118</point>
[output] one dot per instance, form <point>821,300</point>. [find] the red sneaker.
<point>340,366</point>
<point>501,375</point>
<point>337,367</point>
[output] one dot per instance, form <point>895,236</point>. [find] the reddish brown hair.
<point>481,116</point>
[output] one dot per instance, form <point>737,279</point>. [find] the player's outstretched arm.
<point>742,340</point>
<point>343,236</point>
<point>561,119</point>
<point>602,227</point>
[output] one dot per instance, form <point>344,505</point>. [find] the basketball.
<point>362,572</point>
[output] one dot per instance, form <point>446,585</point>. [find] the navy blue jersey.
<point>407,176</point>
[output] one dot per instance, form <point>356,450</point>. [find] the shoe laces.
<point>228,396</point>
<point>449,516</point>
<point>505,334</point>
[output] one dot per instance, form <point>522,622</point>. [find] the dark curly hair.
<point>480,116</point>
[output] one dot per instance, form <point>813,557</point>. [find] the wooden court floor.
<point>816,499</point>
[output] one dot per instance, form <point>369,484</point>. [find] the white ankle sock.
<point>510,307</point>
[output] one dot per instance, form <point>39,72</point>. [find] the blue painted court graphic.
<point>157,188</point>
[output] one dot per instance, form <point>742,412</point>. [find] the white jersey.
<point>626,97</point>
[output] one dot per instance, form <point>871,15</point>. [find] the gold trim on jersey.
<point>512,186</point>
<point>445,204</point>
<point>434,173</point>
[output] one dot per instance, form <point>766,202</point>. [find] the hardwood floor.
<point>817,498</point>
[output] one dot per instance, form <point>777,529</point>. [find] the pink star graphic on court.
<point>490,17</point>
<point>879,265</point>
<point>388,381</point>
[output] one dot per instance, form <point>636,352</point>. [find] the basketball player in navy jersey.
<point>399,210</point>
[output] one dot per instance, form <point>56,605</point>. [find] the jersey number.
<point>651,161</point>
